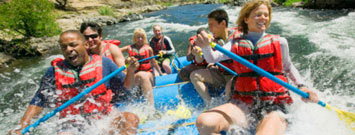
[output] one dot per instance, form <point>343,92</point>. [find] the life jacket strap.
<point>79,83</point>
<point>260,93</point>
<point>257,56</point>
<point>255,74</point>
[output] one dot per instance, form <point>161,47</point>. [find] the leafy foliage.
<point>31,18</point>
<point>106,11</point>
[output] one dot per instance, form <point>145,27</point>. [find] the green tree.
<point>31,18</point>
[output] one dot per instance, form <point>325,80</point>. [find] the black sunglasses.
<point>92,36</point>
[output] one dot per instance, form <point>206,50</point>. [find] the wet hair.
<point>219,15</point>
<point>246,10</point>
<point>94,26</point>
<point>142,31</point>
<point>155,25</point>
<point>78,33</point>
<point>199,30</point>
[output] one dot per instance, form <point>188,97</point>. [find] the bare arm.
<point>124,49</point>
<point>133,64</point>
<point>31,112</point>
<point>117,55</point>
<point>197,52</point>
<point>189,55</point>
<point>211,56</point>
<point>154,62</point>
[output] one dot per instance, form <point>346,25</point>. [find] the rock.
<point>102,20</point>
<point>131,17</point>
<point>5,59</point>
<point>298,4</point>
<point>44,45</point>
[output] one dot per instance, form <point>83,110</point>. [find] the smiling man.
<point>215,77</point>
<point>93,34</point>
<point>67,77</point>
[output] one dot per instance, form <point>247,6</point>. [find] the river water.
<point>321,46</point>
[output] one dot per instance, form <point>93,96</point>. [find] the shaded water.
<point>321,47</point>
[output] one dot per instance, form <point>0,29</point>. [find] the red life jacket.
<point>69,84</point>
<point>115,42</point>
<point>106,51</point>
<point>145,65</point>
<point>192,42</point>
<point>158,45</point>
<point>228,63</point>
<point>249,85</point>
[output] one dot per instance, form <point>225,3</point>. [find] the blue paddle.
<point>226,68</point>
<point>80,95</point>
<point>221,65</point>
<point>348,117</point>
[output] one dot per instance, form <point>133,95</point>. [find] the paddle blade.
<point>348,117</point>
<point>181,112</point>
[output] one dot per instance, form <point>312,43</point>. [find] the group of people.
<point>87,60</point>
<point>254,102</point>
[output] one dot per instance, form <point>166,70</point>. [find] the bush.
<point>106,11</point>
<point>31,18</point>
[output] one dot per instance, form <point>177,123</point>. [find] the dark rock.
<point>5,59</point>
<point>44,45</point>
<point>131,17</point>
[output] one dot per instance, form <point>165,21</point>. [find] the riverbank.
<point>73,14</point>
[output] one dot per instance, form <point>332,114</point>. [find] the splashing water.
<point>321,46</point>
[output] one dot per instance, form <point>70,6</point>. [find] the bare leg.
<point>143,79</point>
<point>218,119</point>
<point>185,72</point>
<point>272,124</point>
<point>198,79</point>
<point>156,73</point>
<point>126,123</point>
<point>166,66</point>
<point>227,92</point>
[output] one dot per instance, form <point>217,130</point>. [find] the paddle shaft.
<point>80,95</point>
<point>222,66</point>
<point>262,72</point>
<point>156,56</point>
<point>226,68</point>
<point>74,99</point>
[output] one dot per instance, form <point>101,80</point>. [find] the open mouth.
<point>73,58</point>
<point>261,24</point>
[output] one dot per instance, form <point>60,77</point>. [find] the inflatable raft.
<point>178,98</point>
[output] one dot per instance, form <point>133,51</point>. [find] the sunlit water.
<point>321,47</point>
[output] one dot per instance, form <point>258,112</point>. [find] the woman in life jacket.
<point>144,76</point>
<point>252,94</point>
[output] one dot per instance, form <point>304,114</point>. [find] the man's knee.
<point>206,120</point>
<point>276,116</point>
<point>166,65</point>
<point>195,76</point>
<point>142,76</point>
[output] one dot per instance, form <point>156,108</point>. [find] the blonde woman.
<point>144,74</point>
<point>257,103</point>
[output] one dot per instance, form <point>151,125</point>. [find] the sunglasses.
<point>92,36</point>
